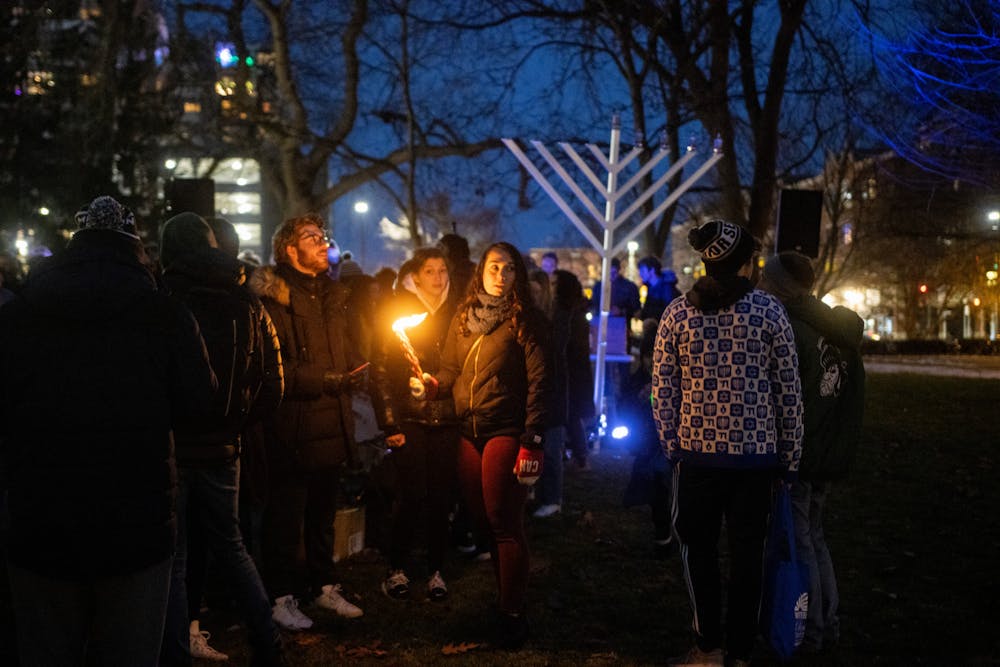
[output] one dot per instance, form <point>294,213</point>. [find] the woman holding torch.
<point>419,313</point>
<point>494,369</point>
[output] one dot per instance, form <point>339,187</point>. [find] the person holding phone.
<point>494,367</point>
<point>309,439</point>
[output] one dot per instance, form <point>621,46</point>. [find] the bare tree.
<point>320,132</point>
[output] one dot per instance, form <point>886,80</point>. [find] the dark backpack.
<point>229,326</point>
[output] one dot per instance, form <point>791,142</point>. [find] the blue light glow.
<point>619,432</point>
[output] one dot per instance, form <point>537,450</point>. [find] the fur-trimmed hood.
<point>266,282</point>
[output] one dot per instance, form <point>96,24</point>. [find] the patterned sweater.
<point>726,388</point>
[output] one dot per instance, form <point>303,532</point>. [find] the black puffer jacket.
<point>500,386</point>
<point>310,429</point>
<point>96,365</point>
<point>243,349</point>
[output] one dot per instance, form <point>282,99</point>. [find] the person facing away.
<point>97,367</point>
<point>660,290</point>
<point>560,297</point>
<point>425,464</point>
<point>624,294</point>
<point>310,436</point>
<point>828,341</point>
<point>460,266</point>
<point>495,368</point>
<point>210,282</point>
<point>728,409</point>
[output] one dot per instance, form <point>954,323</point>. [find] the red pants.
<point>495,500</point>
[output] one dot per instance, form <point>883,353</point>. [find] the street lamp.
<point>633,247</point>
<point>361,208</point>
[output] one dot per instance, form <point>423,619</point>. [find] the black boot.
<point>513,631</point>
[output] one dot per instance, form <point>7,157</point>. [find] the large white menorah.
<point>610,222</point>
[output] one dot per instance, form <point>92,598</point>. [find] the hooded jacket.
<point>310,429</point>
<point>833,385</point>
<point>96,367</point>
<point>243,348</point>
<point>725,379</point>
<point>428,340</point>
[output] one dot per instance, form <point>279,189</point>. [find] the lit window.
<point>192,107</point>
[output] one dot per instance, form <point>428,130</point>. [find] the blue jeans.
<point>212,495</point>
<point>822,624</point>
<point>551,484</point>
<point>114,621</point>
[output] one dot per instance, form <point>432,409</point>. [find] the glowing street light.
<point>361,206</point>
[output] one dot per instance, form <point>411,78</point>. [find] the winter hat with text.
<point>106,213</point>
<point>724,246</point>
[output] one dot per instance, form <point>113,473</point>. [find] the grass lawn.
<point>915,534</point>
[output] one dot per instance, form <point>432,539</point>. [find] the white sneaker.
<point>331,599</point>
<point>436,589</point>
<point>285,613</point>
<point>547,510</point>
<point>200,649</point>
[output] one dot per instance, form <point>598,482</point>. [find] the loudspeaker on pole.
<point>191,194</point>
<point>799,214</point>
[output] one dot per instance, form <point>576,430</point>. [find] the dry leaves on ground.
<point>458,649</point>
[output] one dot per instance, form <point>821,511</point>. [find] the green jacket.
<point>828,341</point>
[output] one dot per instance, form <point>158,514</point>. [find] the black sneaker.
<point>513,631</point>
<point>396,585</point>
<point>664,549</point>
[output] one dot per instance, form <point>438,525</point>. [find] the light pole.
<point>361,208</point>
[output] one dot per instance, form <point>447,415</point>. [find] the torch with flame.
<point>399,327</point>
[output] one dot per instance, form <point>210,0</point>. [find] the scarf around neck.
<point>490,313</point>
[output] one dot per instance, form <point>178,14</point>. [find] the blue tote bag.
<point>786,582</point>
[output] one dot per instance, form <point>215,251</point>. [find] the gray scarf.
<point>491,312</point>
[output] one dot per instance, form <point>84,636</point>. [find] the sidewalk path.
<point>973,366</point>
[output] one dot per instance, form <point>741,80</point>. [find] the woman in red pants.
<point>494,368</point>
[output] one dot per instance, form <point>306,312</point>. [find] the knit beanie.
<point>787,275</point>
<point>349,268</point>
<point>182,234</point>
<point>724,246</point>
<point>107,213</point>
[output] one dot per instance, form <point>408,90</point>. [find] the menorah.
<point>611,221</point>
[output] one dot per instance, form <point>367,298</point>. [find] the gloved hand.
<point>425,389</point>
<point>528,466</point>
<point>342,383</point>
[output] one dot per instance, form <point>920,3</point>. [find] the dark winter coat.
<point>828,342</point>
<point>96,366</point>
<point>499,385</point>
<point>572,381</point>
<point>428,341</point>
<point>242,347</point>
<point>310,429</point>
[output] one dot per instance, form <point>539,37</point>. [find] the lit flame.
<point>400,326</point>
<point>407,322</point>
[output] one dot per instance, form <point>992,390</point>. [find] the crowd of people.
<point>192,405</point>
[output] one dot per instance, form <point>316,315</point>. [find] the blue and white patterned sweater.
<point>726,390</point>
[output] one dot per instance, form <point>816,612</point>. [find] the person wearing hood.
<point>98,369</point>
<point>426,464</point>
<point>828,341</point>
<point>232,321</point>
<point>727,405</point>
